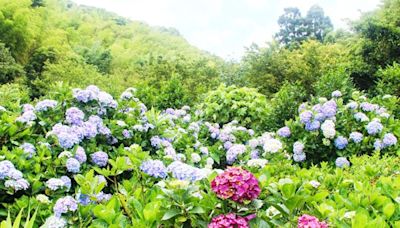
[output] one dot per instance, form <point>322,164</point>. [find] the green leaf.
<point>171,213</point>
<point>388,210</point>
<point>197,210</point>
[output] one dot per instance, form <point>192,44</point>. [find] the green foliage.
<point>334,80</point>
<point>9,69</point>
<point>244,105</point>
<point>13,95</point>
<point>283,105</point>
<point>389,80</point>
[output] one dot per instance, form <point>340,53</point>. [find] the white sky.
<point>225,27</point>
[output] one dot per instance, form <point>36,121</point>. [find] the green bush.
<point>244,105</point>
<point>334,80</point>
<point>12,95</point>
<point>389,80</point>
<point>9,68</point>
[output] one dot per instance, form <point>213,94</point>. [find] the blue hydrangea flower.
<point>233,152</point>
<point>55,183</point>
<point>126,95</point>
<point>126,134</point>
<point>312,126</point>
<point>361,117</point>
<point>154,168</point>
<point>74,116</point>
<point>184,171</point>
<point>55,222</point>
<point>300,157</point>
<point>45,105</point>
<point>378,145</point>
<point>389,140</point>
<point>374,127</point>
<point>100,158</point>
<point>329,108</point>
<point>67,181</point>
<point>254,154</point>
<point>73,165</point>
<point>306,116</point>
<point>64,205</point>
<point>352,105</point>
<point>356,137</point>
<point>17,185</point>
<point>5,167</point>
<point>341,142</point>
<point>342,162</point>
<point>284,132</point>
<point>368,107</point>
<point>29,149</point>
<point>298,148</point>
<point>83,199</point>
<point>27,108</point>
<point>80,155</point>
<point>27,117</point>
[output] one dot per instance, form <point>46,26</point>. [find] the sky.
<point>226,27</point>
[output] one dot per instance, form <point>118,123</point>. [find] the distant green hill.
<point>58,40</point>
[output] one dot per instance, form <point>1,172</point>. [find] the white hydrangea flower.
<point>272,145</point>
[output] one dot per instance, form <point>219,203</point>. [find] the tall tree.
<point>9,69</point>
<point>294,28</point>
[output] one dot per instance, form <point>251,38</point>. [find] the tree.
<point>317,24</point>
<point>294,29</point>
<point>9,69</point>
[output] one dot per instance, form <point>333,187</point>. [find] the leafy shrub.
<point>12,95</point>
<point>389,80</point>
<point>244,105</point>
<point>9,68</point>
<point>284,105</point>
<point>338,79</point>
<point>327,129</point>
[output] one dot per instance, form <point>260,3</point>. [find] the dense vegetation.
<point>108,122</point>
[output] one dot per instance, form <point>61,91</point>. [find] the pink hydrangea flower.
<point>236,184</point>
<point>230,220</point>
<point>308,221</point>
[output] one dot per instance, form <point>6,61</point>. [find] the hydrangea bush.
<point>84,158</point>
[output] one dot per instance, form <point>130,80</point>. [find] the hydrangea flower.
<point>341,142</point>
<point>298,147</point>
<point>80,155</point>
<point>27,117</point>
<point>64,205</point>
<point>154,168</point>
<point>55,183</point>
<point>5,168</point>
<point>378,145</point>
<point>374,127</point>
<point>126,95</point>
<point>356,137</point>
<point>73,165</point>
<point>45,105</point>
<point>195,157</point>
<point>259,163</point>
<point>299,157</point>
<point>126,134</point>
<point>234,151</point>
<point>329,109</point>
<point>67,181</point>
<point>312,126</point>
<point>315,183</point>
<point>341,162</point>
<point>389,140</point>
<point>236,184</point>
<point>328,129</point>
<point>182,171</point>
<point>20,184</point>
<point>284,132</point>
<point>368,107</point>
<point>361,117</point>
<point>100,158</point>
<point>306,116</point>
<point>55,222</point>
<point>352,105</point>
<point>308,221</point>
<point>74,116</point>
<point>28,149</point>
<point>204,150</point>
<point>272,145</point>
<point>336,93</point>
<point>230,220</point>
<point>42,199</point>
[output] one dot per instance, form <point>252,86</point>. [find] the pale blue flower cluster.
<point>342,162</point>
<point>284,132</point>
<point>336,94</point>
<point>374,127</point>
<point>74,116</point>
<point>80,155</point>
<point>182,171</point>
<point>298,152</point>
<point>73,165</point>
<point>154,168</point>
<point>100,158</point>
<point>65,205</point>
<point>356,137</point>
<point>13,177</point>
<point>28,149</point>
<point>389,140</point>
<point>45,105</point>
<point>233,152</point>
<point>341,142</point>
<point>55,184</point>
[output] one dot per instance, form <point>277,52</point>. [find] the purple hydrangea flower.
<point>284,132</point>
<point>100,158</point>
<point>299,157</point>
<point>184,171</point>
<point>55,183</point>
<point>298,148</point>
<point>80,155</point>
<point>329,108</point>
<point>336,93</point>
<point>73,165</point>
<point>254,154</point>
<point>352,105</point>
<point>361,117</point>
<point>126,134</point>
<point>154,168</point>
<point>45,105</point>
<point>27,108</point>
<point>374,127</point>
<point>64,205</point>
<point>28,149</point>
<point>126,95</point>
<point>67,181</point>
<point>389,140</point>
<point>341,162</point>
<point>27,117</point>
<point>368,107</point>
<point>5,168</point>
<point>306,116</point>
<point>234,151</point>
<point>312,126</point>
<point>84,96</point>
<point>341,142</point>
<point>74,116</point>
<point>356,137</point>
<point>17,185</point>
<point>378,145</point>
